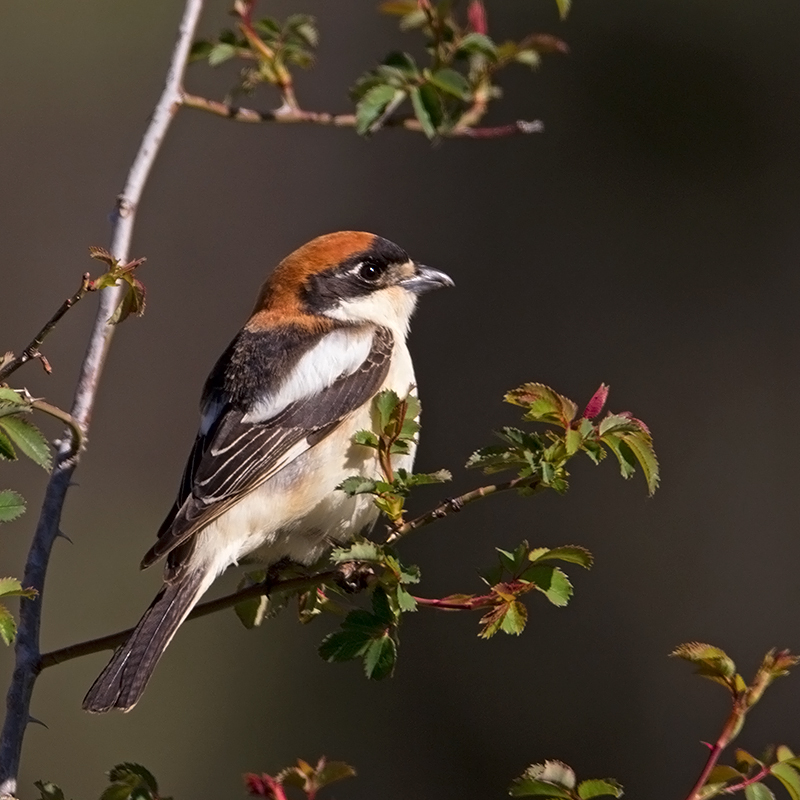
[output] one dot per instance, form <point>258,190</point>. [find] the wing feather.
<point>236,456</point>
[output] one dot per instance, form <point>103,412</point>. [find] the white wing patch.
<point>338,353</point>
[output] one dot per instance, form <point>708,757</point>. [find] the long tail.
<point>122,682</point>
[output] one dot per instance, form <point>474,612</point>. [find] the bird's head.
<point>350,277</point>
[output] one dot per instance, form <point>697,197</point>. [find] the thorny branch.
<point>32,350</point>
<point>27,644</point>
<point>294,116</point>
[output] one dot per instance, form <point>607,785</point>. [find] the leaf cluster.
<point>554,780</point>
<point>127,782</point>
<point>456,84</point>
<point>540,459</point>
<point>309,779</point>
<point>268,47</point>
<point>396,424</point>
<point>133,299</point>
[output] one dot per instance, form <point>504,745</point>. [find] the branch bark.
<point>27,653</point>
<point>294,116</point>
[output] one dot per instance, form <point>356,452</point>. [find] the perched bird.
<point>279,411</point>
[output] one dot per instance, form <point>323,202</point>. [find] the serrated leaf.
<point>362,550</point>
<point>624,455</point>
<point>572,553</point>
<point>405,600</point>
<point>783,753</point>
<point>8,626</point>
<point>543,404</point>
<point>789,777</point>
<point>641,446</point>
<point>128,771</point>
<point>451,82</point>
<point>49,790</point>
<point>573,441</point>
<point>381,607</point>
<point>29,439</point>
<point>617,423</point>
<point>7,451</point>
<point>514,619</point>
<point>758,791</point>
<point>12,505</point>
<point>599,787</point>
<point>424,110</point>
<point>220,53</point>
<point>11,587</point>
<point>132,302</point>
<point>101,254</point>
<point>356,484</point>
<point>711,662</point>
<point>479,43</point>
<point>551,779</point>
<point>551,581</point>
<point>344,645</point>
<point>380,658</point>
<point>367,438</point>
<point>333,771</point>
<point>10,396</point>
<point>374,104</point>
<point>385,404</point>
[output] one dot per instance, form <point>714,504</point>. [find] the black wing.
<point>234,457</point>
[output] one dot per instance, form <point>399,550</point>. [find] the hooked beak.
<point>425,279</point>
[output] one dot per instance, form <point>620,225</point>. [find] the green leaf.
<point>29,439</point>
<point>49,791</point>
<point>367,438</point>
<point>551,779</point>
<point>757,791</point>
<point>617,423</point>
<point>641,446</point>
<point>623,453</point>
<point>514,619</point>
<point>572,553</point>
<point>424,110</point>
<point>221,53</point>
<point>599,787</point>
<point>789,777</point>
<point>543,404</point>
<point>405,600</point>
<point>356,484</point>
<point>343,645</point>
<point>374,104</point>
<point>380,657</point>
<point>7,451</point>
<point>563,7</point>
<point>783,753</point>
<point>573,441</point>
<point>11,587</point>
<point>478,43</point>
<point>12,505</point>
<point>10,396</point>
<point>452,82</point>
<point>251,612</point>
<point>200,50</point>
<point>711,662</point>
<point>530,58</point>
<point>132,302</point>
<point>385,404</point>
<point>133,772</point>
<point>551,581</point>
<point>381,607</point>
<point>8,626</point>
<point>333,771</point>
<point>361,550</point>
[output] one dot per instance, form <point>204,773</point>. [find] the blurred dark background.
<point>648,238</point>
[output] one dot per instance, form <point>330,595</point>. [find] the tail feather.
<point>122,682</point>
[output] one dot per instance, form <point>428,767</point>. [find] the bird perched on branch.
<point>279,411</point>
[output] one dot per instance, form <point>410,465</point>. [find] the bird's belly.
<point>299,513</point>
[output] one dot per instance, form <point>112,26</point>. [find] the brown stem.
<point>467,604</point>
<point>300,116</point>
<point>32,350</point>
<point>729,730</point>
<point>455,504</point>
<point>112,640</point>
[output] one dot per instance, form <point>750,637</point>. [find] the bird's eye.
<point>371,271</point>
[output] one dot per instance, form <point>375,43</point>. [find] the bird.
<point>278,414</point>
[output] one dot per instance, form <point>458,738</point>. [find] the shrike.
<point>279,411</point>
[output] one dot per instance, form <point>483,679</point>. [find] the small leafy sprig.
<point>554,780</point>
<point>749,772</point>
<point>269,48</point>
<point>309,779</point>
<point>127,781</point>
<point>454,89</point>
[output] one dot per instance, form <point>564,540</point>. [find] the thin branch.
<point>78,438</point>
<point>27,651</point>
<point>455,504</point>
<point>32,350</point>
<point>114,640</point>
<point>297,116</point>
<point>732,725</point>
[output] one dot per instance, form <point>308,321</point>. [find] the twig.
<point>113,640</point>
<point>78,438</point>
<point>296,116</point>
<point>32,350</point>
<point>732,725</point>
<point>27,651</point>
<point>455,504</point>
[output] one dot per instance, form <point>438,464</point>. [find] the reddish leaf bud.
<point>595,405</point>
<point>476,14</point>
